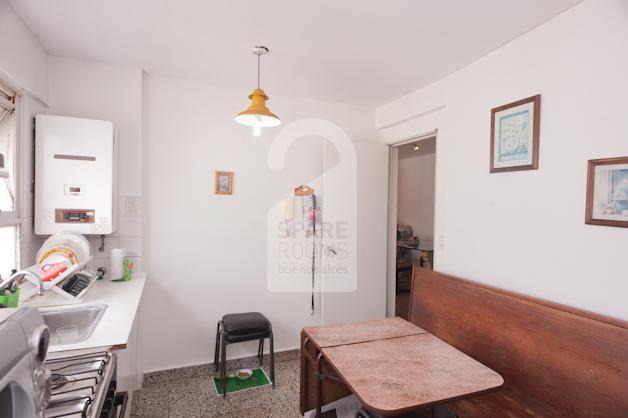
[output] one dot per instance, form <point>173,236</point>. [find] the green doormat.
<point>258,379</point>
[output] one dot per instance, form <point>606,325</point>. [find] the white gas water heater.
<point>74,176</point>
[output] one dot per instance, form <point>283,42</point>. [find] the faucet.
<point>8,284</point>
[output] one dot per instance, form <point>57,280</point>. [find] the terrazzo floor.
<point>190,393</point>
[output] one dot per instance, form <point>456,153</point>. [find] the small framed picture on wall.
<point>515,131</point>
<point>607,192</point>
<point>224,182</point>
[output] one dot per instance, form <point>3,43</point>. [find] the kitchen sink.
<point>72,325</point>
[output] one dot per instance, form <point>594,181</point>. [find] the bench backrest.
<point>560,360</point>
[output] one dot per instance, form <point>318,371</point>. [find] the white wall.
<point>23,61</point>
<point>29,242</point>
<point>415,188</point>
<point>525,230</point>
<point>93,90</point>
<point>99,91</point>
<point>24,65</point>
<point>205,253</point>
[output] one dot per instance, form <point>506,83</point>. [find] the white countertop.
<point>113,329</point>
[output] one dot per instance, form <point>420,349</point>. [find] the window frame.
<point>15,217</point>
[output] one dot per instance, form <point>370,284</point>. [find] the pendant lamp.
<point>257,114</point>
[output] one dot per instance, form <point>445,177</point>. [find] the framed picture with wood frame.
<point>224,182</point>
<point>607,192</point>
<point>515,131</point>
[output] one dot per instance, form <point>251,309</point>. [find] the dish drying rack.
<point>54,294</point>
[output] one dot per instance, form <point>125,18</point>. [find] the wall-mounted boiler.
<point>73,175</point>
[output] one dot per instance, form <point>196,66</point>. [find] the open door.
<point>411,217</point>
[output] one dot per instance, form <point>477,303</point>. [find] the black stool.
<point>237,328</point>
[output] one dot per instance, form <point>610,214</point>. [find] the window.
<point>9,250</point>
<point>8,133</point>
<point>10,220</point>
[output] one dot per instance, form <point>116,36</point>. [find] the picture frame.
<point>515,129</point>
<point>607,192</point>
<point>223,183</point>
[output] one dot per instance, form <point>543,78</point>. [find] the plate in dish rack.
<point>75,242</point>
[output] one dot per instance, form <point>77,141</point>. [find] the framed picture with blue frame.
<point>607,192</point>
<point>515,131</point>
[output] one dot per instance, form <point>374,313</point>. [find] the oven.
<point>77,386</point>
<point>84,386</point>
<point>23,376</point>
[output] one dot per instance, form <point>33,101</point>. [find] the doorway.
<point>411,217</point>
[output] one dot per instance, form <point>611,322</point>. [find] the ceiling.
<point>365,52</point>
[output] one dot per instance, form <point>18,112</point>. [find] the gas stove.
<point>84,387</point>
<point>80,386</point>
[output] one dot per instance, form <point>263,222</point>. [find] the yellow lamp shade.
<point>257,115</point>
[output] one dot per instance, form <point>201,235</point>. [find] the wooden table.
<point>391,365</point>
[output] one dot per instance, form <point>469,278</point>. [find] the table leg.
<point>319,385</point>
<point>316,361</point>
<point>304,374</point>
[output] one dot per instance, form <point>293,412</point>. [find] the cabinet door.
<point>354,246</point>
<point>350,183</point>
<point>295,158</point>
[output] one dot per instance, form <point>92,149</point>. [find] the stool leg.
<point>223,366</point>
<point>217,347</point>
<point>260,352</point>
<point>272,356</point>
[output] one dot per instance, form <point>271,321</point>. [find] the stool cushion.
<point>245,323</point>
<point>237,338</point>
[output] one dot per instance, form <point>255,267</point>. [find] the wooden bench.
<point>556,361</point>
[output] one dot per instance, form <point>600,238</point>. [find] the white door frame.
<point>391,259</point>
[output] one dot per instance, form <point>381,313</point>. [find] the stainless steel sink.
<point>72,325</point>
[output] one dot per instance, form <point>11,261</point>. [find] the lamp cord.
<point>312,306</point>
<point>258,58</point>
